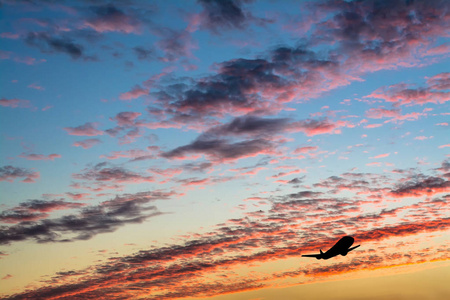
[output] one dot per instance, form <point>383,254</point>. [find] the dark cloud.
<point>221,150</point>
<point>111,18</point>
<point>175,44</point>
<point>197,167</point>
<point>297,180</point>
<point>10,173</point>
<point>249,125</point>
<point>35,210</point>
<point>108,216</point>
<point>49,44</point>
<point>225,14</point>
<point>420,186</point>
<point>386,31</point>
<point>144,53</point>
<point>232,90</point>
<point>105,172</point>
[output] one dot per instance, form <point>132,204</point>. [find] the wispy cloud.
<point>33,156</point>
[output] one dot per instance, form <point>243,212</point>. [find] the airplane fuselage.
<point>342,247</point>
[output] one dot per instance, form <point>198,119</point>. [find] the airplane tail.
<point>321,251</point>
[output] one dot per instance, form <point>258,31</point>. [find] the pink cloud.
<point>9,35</point>
<point>78,196</point>
<point>135,93</point>
<point>402,94</point>
<point>315,127</point>
<point>422,138</point>
<point>20,59</point>
<point>87,143</point>
<point>33,156</point>
<point>282,174</point>
<point>36,87</point>
<point>15,103</point>
<point>379,113</point>
<point>444,146</point>
<point>373,126</point>
<point>126,118</point>
<point>380,156</point>
<point>305,149</point>
<point>439,50</point>
<point>87,129</point>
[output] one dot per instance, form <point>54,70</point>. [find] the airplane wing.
<point>353,248</point>
<point>311,255</point>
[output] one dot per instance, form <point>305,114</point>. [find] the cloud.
<point>135,93</point>
<point>282,174</point>
<point>379,35</point>
<point>104,172</point>
<point>370,126</point>
<point>144,53</point>
<point>238,243</point>
<point>33,210</point>
<point>87,143</point>
<point>257,127</point>
<point>314,127</point>
<point>88,129</point>
<point>48,44</point>
<point>15,103</point>
<point>175,44</point>
<point>402,94</point>
<point>134,154</point>
<point>20,59</point>
<point>106,217</point>
<point>33,156</point>
<point>363,40</point>
<point>7,276</point>
<point>250,126</point>
<point>221,150</point>
<point>306,149</point>
<point>126,118</point>
<point>10,173</point>
<point>379,113</point>
<point>380,156</point>
<point>420,186</point>
<point>108,18</point>
<point>218,15</point>
<point>295,224</point>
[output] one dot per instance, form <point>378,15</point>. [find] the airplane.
<point>342,247</point>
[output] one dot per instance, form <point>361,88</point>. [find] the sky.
<point>197,149</point>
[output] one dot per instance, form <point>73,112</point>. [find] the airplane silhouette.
<point>342,247</point>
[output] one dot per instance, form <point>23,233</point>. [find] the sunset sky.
<point>196,149</point>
